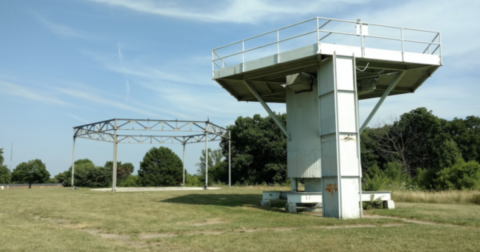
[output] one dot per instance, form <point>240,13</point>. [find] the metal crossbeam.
<point>103,131</point>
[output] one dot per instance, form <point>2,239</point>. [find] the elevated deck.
<point>374,47</point>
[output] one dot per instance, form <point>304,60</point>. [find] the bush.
<point>462,175</point>
<point>476,199</point>
<point>160,167</point>
<point>130,181</point>
<point>373,203</point>
<point>374,179</point>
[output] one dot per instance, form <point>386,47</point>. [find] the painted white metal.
<point>206,160</point>
<point>339,137</point>
<point>389,204</point>
<point>114,172</point>
<point>361,30</point>
<point>300,197</point>
<point>183,161</point>
<point>304,149</point>
<point>229,159</point>
<point>73,161</point>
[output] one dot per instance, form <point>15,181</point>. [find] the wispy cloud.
<point>60,29</point>
<point>234,11</point>
<point>77,118</point>
<point>30,94</point>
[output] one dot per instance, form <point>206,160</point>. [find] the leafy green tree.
<point>201,164</point>
<point>417,139</point>
<point>1,156</point>
<point>375,179</point>
<point>130,181</point>
<point>61,177</point>
<point>33,171</point>
<point>466,134</point>
<point>160,167</point>
<point>259,150</point>
<point>462,175</point>
<point>123,170</point>
<point>4,175</point>
<point>89,175</point>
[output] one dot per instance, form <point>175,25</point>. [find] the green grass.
<point>229,219</point>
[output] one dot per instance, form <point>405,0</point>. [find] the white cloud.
<point>60,29</point>
<point>77,118</point>
<point>234,11</point>
<point>30,94</point>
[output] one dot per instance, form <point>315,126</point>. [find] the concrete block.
<point>388,204</point>
<point>265,203</point>
<point>291,207</point>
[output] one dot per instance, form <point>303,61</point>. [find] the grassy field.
<point>229,219</point>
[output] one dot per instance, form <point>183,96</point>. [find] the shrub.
<point>374,179</point>
<point>373,203</point>
<point>462,175</point>
<point>476,199</point>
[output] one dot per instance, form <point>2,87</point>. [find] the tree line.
<point>418,150</point>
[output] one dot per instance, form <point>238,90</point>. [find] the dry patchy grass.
<point>229,219</point>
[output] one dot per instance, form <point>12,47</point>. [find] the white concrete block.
<point>291,207</point>
<point>388,204</point>
<point>265,203</point>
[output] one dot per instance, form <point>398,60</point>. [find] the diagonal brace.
<point>392,85</point>
<point>265,106</point>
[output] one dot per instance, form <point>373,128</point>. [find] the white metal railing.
<point>432,46</point>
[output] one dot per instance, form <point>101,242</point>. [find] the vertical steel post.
<point>403,46</point>
<point>11,168</point>
<point>278,46</point>
<point>206,158</point>
<point>440,43</point>
<point>183,163</point>
<point>318,31</point>
<point>114,173</point>
<point>73,160</point>
<point>229,159</point>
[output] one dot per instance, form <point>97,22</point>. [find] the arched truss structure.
<point>116,132</point>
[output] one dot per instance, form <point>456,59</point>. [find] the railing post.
<point>278,46</point>
<point>403,45</point>
<point>243,55</point>
<point>440,43</point>
<point>318,32</point>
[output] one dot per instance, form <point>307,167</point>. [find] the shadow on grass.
<point>227,200</point>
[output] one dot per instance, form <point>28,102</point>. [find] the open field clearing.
<point>219,220</point>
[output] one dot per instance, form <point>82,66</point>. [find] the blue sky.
<point>67,63</point>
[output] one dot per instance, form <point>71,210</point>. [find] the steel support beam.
<point>73,161</point>
<point>114,173</point>
<point>379,103</point>
<point>267,108</point>
<point>229,159</point>
<point>206,160</point>
<point>183,184</point>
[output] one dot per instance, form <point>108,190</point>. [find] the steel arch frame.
<point>106,131</point>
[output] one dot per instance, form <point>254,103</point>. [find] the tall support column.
<point>73,161</point>
<point>339,137</point>
<point>114,172</point>
<point>206,160</point>
<point>183,184</point>
<point>229,159</point>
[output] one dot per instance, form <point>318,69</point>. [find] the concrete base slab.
<point>148,189</point>
<point>291,207</point>
<point>388,204</point>
<point>265,203</point>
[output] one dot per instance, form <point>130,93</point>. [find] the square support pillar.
<point>339,136</point>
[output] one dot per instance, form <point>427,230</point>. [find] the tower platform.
<point>321,84</point>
